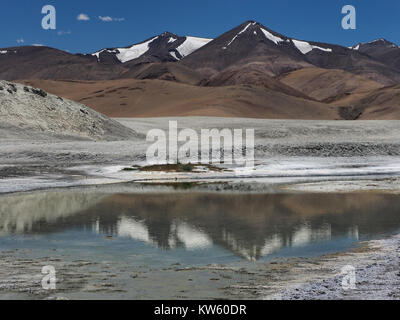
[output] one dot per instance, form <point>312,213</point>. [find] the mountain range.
<point>249,71</point>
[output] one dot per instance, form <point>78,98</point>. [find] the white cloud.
<point>63,33</point>
<point>110,19</point>
<point>83,17</point>
<point>20,40</point>
<point>37,45</point>
<point>105,19</point>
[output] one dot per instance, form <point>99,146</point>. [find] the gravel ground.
<point>283,147</point>
<point>377,275</point>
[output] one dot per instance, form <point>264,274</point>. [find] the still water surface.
<point>193,228</point>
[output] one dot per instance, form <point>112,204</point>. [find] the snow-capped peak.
<point>239,33</point>
<point>175,46</point>
<point>134,52</point>
<point>128,54</point>
<point>303,46</point>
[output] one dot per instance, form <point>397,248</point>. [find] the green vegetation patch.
<point>133,168</point>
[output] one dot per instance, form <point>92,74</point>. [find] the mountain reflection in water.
<point>248,225</point>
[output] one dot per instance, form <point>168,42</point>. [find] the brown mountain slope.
<point>48,63</point>
<point>252,74</point>
<point>328,85</point>
<point>156,98</point>
<point>164,71</point>
<point>381,104</point>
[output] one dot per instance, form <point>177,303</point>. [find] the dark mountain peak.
<point>27,48</point>
<point>169,34</point>
<point>33,51</point>
<point>254,25</point>
<point>166,47</point>
<point>378,43</point>
<point>252,22</point>
<point>248,25</point>
<point>381,50</point>
<point>249,33</point>
<point>252,43</point>
<point>248,43</point>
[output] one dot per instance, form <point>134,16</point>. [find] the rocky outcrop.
<point>27,110</point>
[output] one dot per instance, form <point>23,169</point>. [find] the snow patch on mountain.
<point>171,40</point>
<point>97,54</point>
<point>173,54</point>
<point>191,44</point>
<point>7,51</point>
<point>128,54</point>
<point>271,37</point>
<point>134,52</point>
<point>305,47</point>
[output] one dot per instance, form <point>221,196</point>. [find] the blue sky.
<point>135,21</point>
